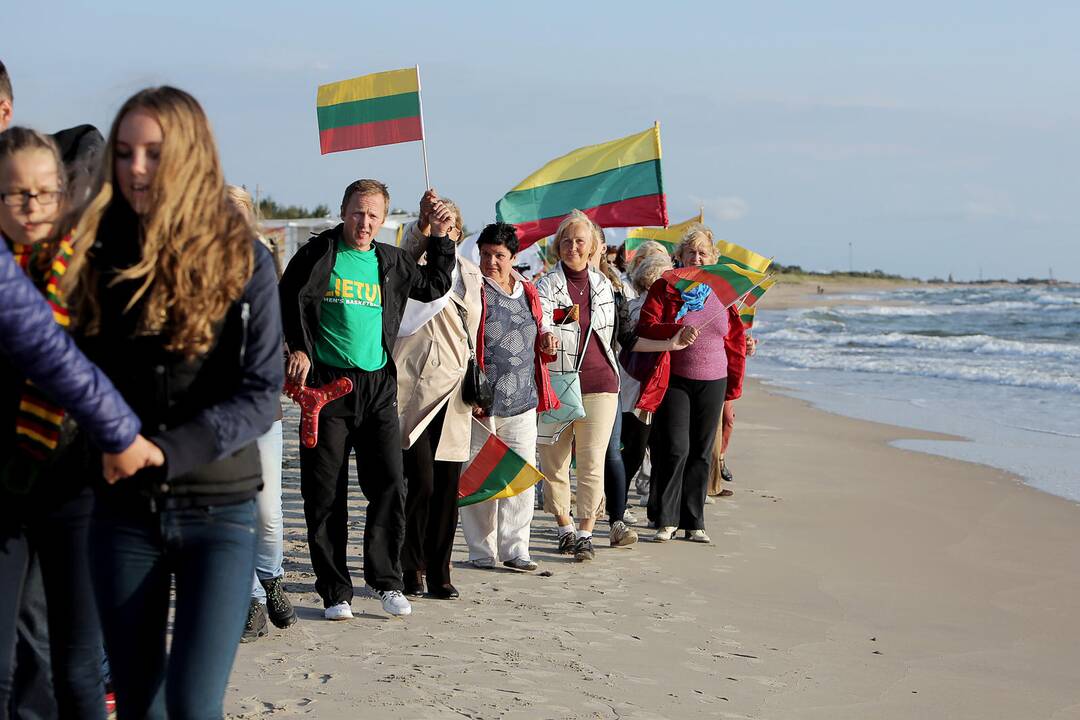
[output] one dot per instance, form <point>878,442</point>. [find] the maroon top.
<point>597,375</point>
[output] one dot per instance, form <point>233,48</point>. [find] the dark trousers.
<point>616,488</point>
<point>32,690</point>
<point>365,422</point>
<point>635,440</point>
<point>58,537</point>
<point>431,512</point>
<point>680,445</point>
<point>137,554</point>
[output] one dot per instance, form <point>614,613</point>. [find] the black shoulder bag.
<point>475,388</point>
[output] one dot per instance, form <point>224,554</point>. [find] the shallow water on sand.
<point>998,365</point>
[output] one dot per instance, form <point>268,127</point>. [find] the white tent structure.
<point>289,235</point>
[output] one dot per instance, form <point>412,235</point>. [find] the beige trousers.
<point>588,438</point>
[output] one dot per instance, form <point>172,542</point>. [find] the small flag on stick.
<point>732,254</point>
<point>755,294</point>
<point>746,314</point>
<point>496,472</point>
<point>729,282</point>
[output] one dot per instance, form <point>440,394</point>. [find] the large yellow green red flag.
<point>617,184</point>
<point>669,237</point>
<point>732,254</point>
<point>378,109</point>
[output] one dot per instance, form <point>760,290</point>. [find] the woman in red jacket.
<point>686,390</point>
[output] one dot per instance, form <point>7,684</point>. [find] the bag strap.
<point>465,324</point>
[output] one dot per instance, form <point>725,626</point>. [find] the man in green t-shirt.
<point>342,299</point>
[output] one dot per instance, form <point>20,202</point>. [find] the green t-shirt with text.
<point>350,334</point>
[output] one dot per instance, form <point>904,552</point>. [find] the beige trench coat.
<point>431,364</point>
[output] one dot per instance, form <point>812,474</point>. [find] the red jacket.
<point>548,400</point>
<point>657,322</point>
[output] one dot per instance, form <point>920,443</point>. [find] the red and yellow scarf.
<point>37,425</point>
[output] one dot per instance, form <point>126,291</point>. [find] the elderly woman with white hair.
<point>686,391</point>
<point>579,304</point>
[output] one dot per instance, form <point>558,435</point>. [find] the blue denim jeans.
<point>269,531</point>
<point>615,480</point>
<point>136,554</point>
<point>57,536</point>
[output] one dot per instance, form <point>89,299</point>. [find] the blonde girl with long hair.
<point>177,302</point>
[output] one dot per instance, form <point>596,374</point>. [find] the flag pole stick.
<point>423,130</point>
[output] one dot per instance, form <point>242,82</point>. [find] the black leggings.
<point>431,512</point>
<point>681,449</point>
<point>635,439</point>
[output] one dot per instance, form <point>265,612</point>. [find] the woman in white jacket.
<point>579,304</point>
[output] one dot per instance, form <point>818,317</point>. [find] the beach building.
<point>288,235</point>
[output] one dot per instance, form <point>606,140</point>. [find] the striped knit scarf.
<point>37,424</point>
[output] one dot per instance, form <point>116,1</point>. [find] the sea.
<point>998,365</point>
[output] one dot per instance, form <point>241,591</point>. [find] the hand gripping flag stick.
<point>311,401</point>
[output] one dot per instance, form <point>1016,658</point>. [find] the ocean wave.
<point>977,344</point>
<point>1017,375</point>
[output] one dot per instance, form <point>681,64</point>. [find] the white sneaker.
<point>664,534</point>
<point>629,518</point>
<point>341,611</point>
<point>484,563</point>
<point>394,602</point>
<point>697,536</point>
<point>621,535</point>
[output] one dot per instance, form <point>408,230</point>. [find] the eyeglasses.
<point>22,199</point>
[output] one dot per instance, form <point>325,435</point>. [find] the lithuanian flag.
<point>729,282</point>
<point>746,314</point>
<point>496,472</point>
<point>379,109</point>
<point>755,294</point>
<point>669,237</point>
<point>732,254</point>
<point>616,183</point>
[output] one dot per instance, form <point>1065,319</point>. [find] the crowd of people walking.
<point>147,334</point>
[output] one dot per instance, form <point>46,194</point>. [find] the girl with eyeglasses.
<point>45,497</point>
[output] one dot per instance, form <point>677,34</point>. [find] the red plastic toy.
<point>311,401</point>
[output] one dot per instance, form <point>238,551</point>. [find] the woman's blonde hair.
<point>241,199</point>
<point>647,269</point>
<point>575,217</point>
<point>197,249</point>
<point>696,233</point>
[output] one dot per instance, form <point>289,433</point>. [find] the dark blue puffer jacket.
<point>40,349</point>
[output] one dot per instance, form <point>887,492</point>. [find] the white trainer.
<point>394,602</point>
<point>341,611</point>
<point>664,534</point>
<point>697,536</point>
<point>629,518</point>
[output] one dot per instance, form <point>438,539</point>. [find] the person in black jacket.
<point>342,299</point>
<point>176,302</point>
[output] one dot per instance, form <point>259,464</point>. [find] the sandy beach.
<point>847,579</point>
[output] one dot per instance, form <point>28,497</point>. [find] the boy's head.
<point>7,100</point>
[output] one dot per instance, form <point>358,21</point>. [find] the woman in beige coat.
<point>431,355</point>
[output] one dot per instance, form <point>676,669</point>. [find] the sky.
<point>918,138</point>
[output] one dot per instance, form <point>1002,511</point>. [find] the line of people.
<point>167,489</point>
